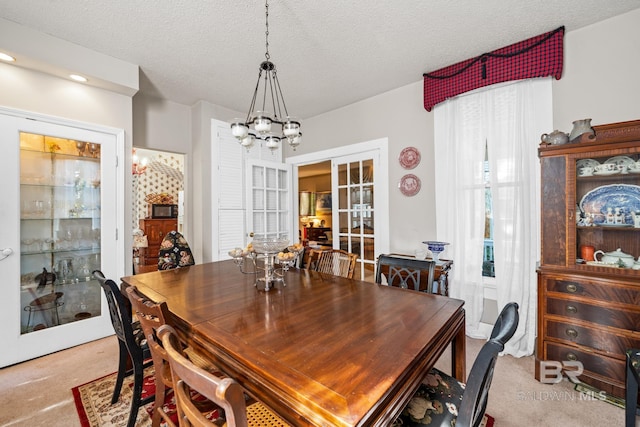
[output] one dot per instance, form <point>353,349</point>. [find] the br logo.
<point>551,371</point>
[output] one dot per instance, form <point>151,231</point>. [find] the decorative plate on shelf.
<point>586,162</point>
<point>409,158</point>
<point>409,185</point>
<point>599,200</point>
<point>621,161</point>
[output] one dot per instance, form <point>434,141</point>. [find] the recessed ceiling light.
<point>5,57</point>
<point>78,77</point>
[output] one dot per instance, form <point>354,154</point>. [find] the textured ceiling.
<point>329,53</point>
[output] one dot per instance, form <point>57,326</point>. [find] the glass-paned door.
<point>268,200</point>
<point>57,177</point>
<point>353,181</point>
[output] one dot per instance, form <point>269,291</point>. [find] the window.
<point>488,269</point>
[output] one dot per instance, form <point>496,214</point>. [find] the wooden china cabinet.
<point>589,311</point>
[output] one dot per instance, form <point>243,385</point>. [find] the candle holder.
<point>271,251</point>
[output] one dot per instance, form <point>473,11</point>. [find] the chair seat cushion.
<point>435,403</point>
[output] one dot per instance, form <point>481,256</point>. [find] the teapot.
<point>555,138</point>
<point>615,257</point>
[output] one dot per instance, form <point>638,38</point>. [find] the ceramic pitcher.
<point>581,127</point>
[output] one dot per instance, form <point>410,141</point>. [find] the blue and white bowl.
<point>435,247</point>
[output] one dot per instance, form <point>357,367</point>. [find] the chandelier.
<point>261,124</point>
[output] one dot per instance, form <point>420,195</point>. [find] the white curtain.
<point>509,119</point>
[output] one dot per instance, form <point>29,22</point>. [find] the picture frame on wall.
<point>323,202</point>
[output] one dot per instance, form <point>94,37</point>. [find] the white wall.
<point>400,116</point>
<point>600,81</point>
<point>168,126</point>
<point>36,92</point>
<point>601,76</point>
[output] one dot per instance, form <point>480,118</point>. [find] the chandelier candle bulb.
<point>239,129</point>
<point>248,141</point>
<point>273,142</point>
<point>291,128</point>
<point>262,123</point>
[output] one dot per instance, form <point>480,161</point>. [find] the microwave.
<point>157,211</point>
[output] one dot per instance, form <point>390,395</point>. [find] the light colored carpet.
<point>37,392</point>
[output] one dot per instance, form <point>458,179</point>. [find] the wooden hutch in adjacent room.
<point>589,310</point>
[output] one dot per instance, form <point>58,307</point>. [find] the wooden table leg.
<point>459,354</point>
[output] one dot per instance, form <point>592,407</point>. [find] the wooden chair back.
<point>406,273</point>
<point>225,392</point>
<point>152,316</point>
<point>333,261</point>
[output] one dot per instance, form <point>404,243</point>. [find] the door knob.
<point>5,253</point>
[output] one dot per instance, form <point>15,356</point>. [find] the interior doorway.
<point>158,202</point>
<point>353,226</point>
<point>314,199</point>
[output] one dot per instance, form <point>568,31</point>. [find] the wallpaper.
<point>163,175</point>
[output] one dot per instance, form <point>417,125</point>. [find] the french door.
<point>354,179</point>
<point>59,223</point>
<point>268,189</point>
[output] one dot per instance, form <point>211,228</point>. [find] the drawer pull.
<point>572,357</point>
<point>572,288</point>
<point>572,309</point>
<point>572,333</point>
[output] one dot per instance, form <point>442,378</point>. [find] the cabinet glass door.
<point>59,230</point>
<point>608,211</point>
<point>56,232</point>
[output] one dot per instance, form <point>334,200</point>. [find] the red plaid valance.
<point>538,56</point>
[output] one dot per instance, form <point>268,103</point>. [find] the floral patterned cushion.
<point>435,403</point>
<point>174,252</point>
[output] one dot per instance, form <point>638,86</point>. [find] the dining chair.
<point>132,345</point>
<point>333,261</point>
<point>223,391</point>
<point>174,252</point>
<point>443,400</point>
<point>151,316</point>
<point>406,273</point>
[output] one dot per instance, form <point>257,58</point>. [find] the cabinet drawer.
<point>604,291</point>
<point>623,319</point>
<point>598,339</point>
<point>606,367</point>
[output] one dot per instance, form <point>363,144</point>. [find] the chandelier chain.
<point>266,33</point>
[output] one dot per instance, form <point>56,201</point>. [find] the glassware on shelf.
<point>81,145</point>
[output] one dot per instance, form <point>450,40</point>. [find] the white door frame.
<point>381,189</point>
<point>27,346</point>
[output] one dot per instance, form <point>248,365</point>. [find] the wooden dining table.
<point>318,349</point>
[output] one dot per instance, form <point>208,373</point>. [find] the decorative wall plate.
<point>409,185</point>
<point>409,158</point>
<point>600,199</point>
